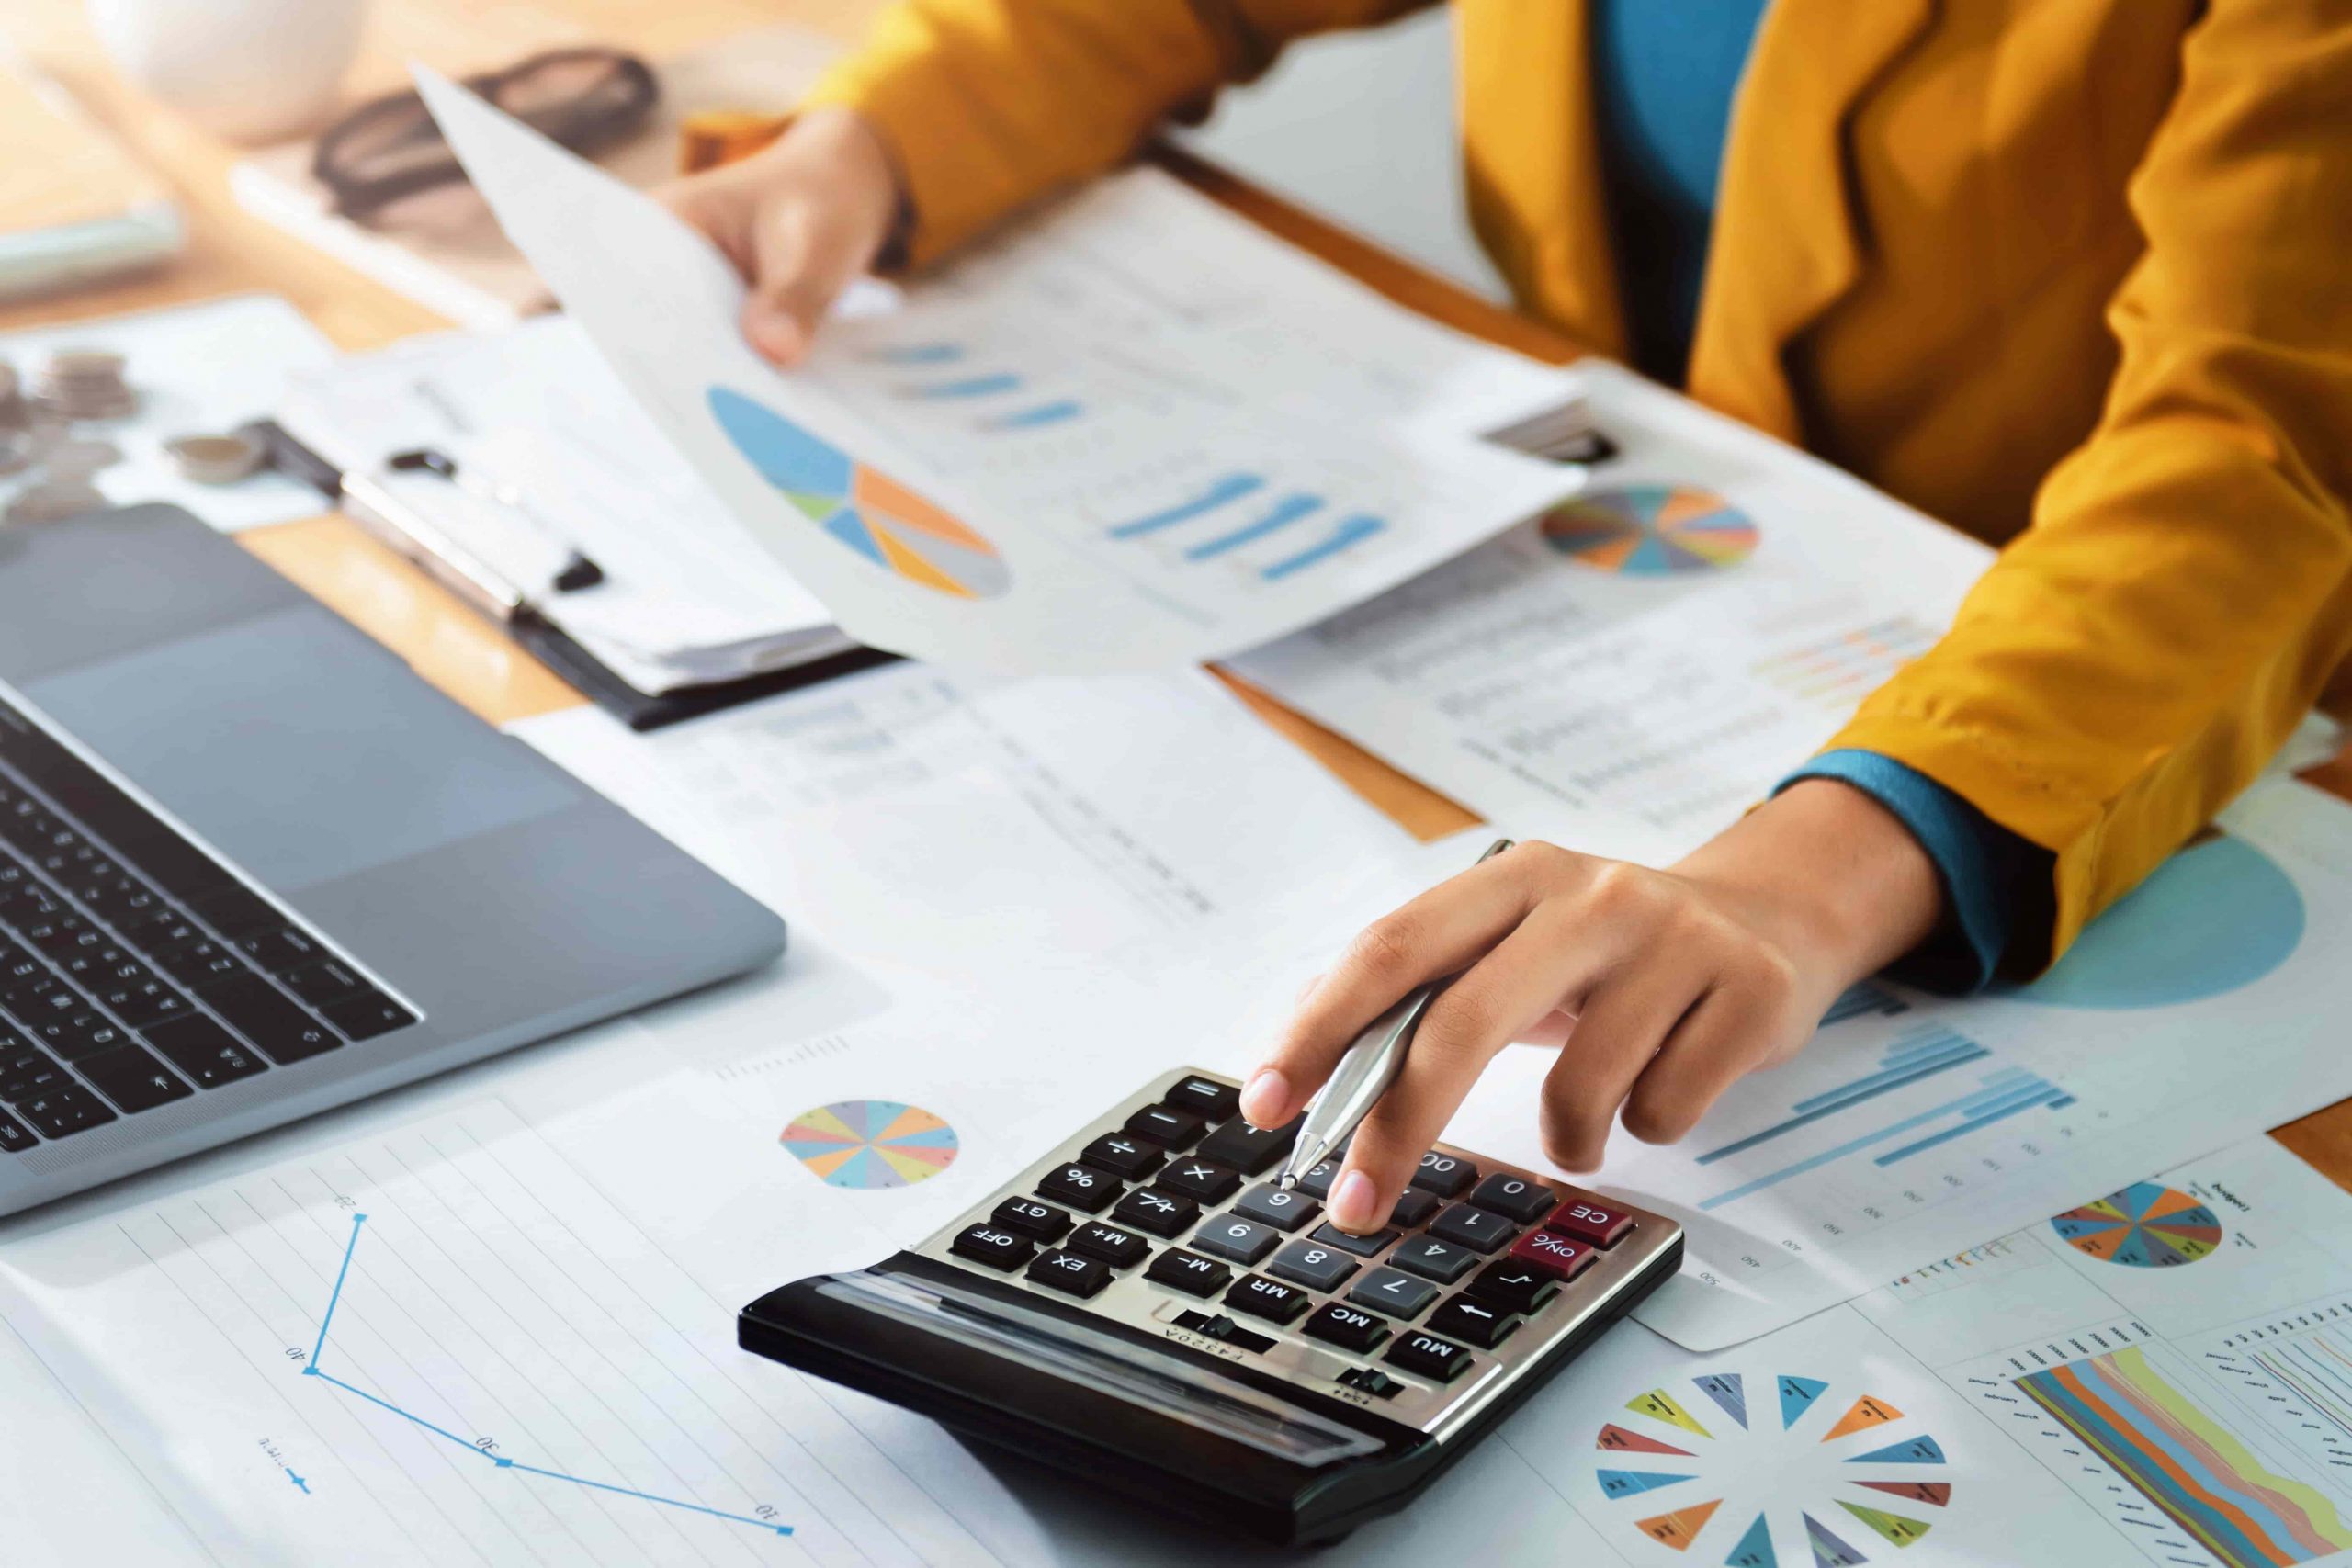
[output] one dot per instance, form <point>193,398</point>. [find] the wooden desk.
<point>231,251</point>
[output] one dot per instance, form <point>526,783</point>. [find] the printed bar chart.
<point>1923,1053</point>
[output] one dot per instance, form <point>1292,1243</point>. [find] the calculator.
<point>1147,1309</point>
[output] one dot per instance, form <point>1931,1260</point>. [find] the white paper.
<point>2190,1015</point>
<point>1092,454</point>
<point>534,417</point>
<point>1636,708</point>
<point>199,370</point>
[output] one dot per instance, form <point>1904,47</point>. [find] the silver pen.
<point>1366,1073</point>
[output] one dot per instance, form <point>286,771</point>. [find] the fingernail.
<point>1265,1098</point>
<point>1354,1202</point>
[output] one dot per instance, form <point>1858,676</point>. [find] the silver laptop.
<point>251,866</point>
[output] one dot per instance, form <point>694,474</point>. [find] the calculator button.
<point>1166,1125</point>
<point>1164,1214</point>
<point>996,1248</point>
<point>1440,1360</point>
<point>1124,1153</point>
<point>1434,1259</point>
<point>1223,1329</point>
<point>1399,1296</point>
<point>1522,1200</point>
<point>1082,1186</point>
<point>1120,1249</point>
<point>1350,1328</point>
<point>1467,1318</point>
<point>1556,1255</point>
<point>1069,1273</point>
<point>1316,1182</point>
<point>1318,1268</point>
<point>1204,1180</point>
<point>1042,1222</point>
<point>1413,1208</point>
<point>1204,1097</point>
<point>1593,1223</point>
<point>1445,1175</point>
<point>1271,1205</point>
<point>1474,1228</point>
<point>1184,1271</point>
<point>1514,1287</point>
<point>1361,1246</point>
<point>1244,1241</point>
<point>1262,1297</point>
<point>1251,1150</point>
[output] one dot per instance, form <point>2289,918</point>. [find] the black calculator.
<point>1149,1309</point>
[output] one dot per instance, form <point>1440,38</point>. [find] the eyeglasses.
<point>390,148</point>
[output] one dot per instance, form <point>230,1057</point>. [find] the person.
<point>2067,274</point>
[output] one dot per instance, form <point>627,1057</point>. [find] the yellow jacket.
<point>2073,274</point>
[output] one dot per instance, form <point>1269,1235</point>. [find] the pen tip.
<point>1286,1180</point>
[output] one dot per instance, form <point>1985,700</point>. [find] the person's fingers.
<point>804,254</point>
<point>1618,1031</point>
<point>1433,935</point>
<point>1747,1020</point>
<point>1552,953</point>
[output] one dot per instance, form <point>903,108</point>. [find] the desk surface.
<point>230,251</point>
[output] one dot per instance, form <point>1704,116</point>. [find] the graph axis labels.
<point>1651,530</point>
<point>868,513</point>
<point>868,1143</point>
<point>2145,1225</point>
<point>1766,1467</point>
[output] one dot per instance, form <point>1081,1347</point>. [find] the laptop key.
<point>366,1017</point>
<point>281,949</point>
<point>269,1021</point>
<point>133,1078</point>
<point>145,1002</point>
<point>15,1136</point>
<point>75,1035</point>
<point>64,1111</point>
<point>233,910</point>
<point>202,963</point>
<point>207,1053</point>
<point>328,980</point>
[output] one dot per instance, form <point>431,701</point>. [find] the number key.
<point>1081,1186</point>
<point>1435,1260</point>
<point>1324,1269</point>
<point>1445,1175</point>
<point>1272,1206</point>
<point>1399,1296</point>
<point>1474,1228</point>
<point>1522,1200</point>
<point>1244,1241</point>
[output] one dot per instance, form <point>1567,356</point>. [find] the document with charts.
<point>1629,674</point>
<point>2190,1015</point>
<point>1135,432</point>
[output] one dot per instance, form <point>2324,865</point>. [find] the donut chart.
<point>866,511</point>
<point>1652,531</point>
<point>865,1143</point>
<point>2143,1226</point>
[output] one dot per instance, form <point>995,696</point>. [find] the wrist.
<point>1829,873</point>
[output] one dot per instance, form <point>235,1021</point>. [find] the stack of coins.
<point>82,383</point>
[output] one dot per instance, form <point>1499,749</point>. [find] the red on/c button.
<point>1556,1254</point>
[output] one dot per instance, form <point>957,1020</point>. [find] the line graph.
<point>475,1446</point>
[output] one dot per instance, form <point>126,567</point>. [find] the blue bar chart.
<point>1882,1135</point>
<point>1293,527</point>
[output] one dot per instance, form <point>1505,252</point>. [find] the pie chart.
<point>869,512</point>
<point>1652,531</point>
<point>2143,1226</point>
<point>871,1143</point>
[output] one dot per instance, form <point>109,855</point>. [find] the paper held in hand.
<point>1135,431</point>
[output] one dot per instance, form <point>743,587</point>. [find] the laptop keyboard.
<point>135,970</point>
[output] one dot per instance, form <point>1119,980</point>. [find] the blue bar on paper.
<point>1289,510</point>
<point>1854,1093</point>
<point>919,353</point>
<point>2026,1100</point>
<point>970,386</point>
<point>1956,1049</point>
<point>1999,1085</point>
<point>1233,487</point>
<point>1934,1037</point>
<point>1353,532</point>
<point>1044,413</point>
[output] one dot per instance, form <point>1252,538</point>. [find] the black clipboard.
<point>580,669</point>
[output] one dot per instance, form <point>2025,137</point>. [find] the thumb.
<point>804,255</point>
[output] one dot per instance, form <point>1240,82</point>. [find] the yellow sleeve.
<point>2136,656</point>
<point>988,104</point>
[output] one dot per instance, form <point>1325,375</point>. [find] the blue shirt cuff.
<point>1980,864</point>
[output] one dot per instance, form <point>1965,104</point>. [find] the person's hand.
<point>801,219</point>
<point>1668,986</point>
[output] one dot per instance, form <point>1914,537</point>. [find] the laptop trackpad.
<point>298,747</point>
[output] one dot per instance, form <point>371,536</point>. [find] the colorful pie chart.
<point>2143,1226</point>
<point>866,512</point>
<point>871,1143</point>
<point>1652,531</point>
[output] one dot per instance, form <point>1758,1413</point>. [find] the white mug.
<point>251,70</point>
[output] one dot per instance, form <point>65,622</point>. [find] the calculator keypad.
<point>1174,1202</point>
